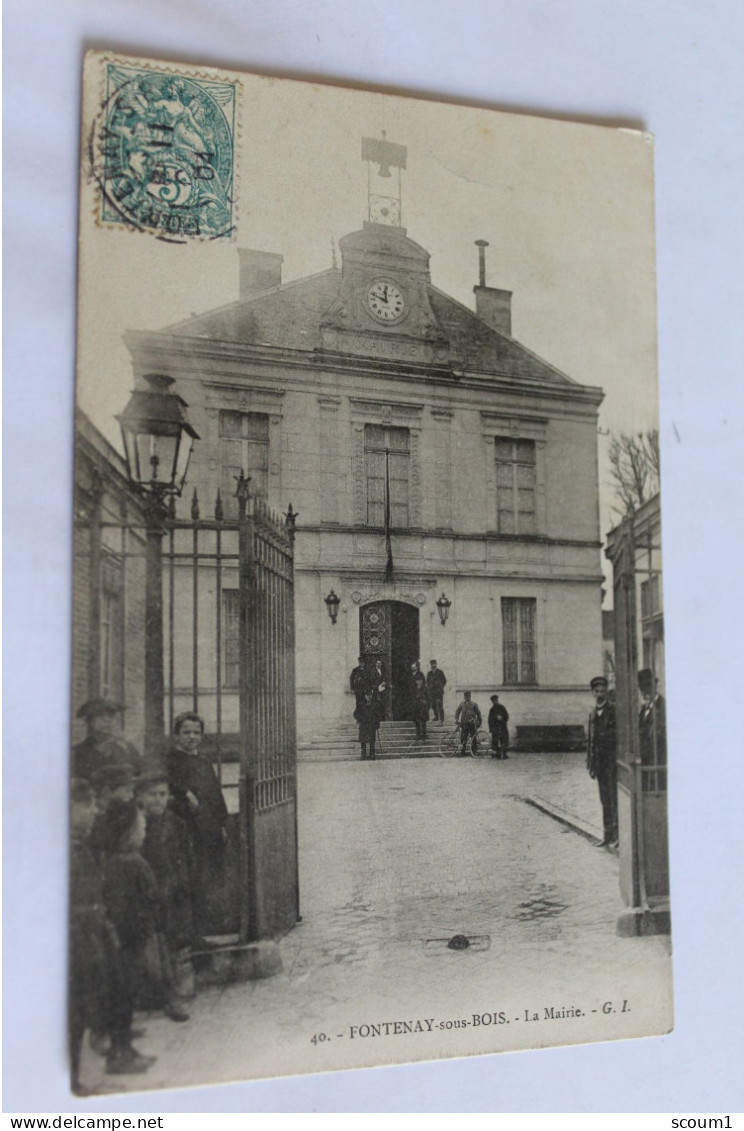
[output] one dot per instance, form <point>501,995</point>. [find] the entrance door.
<point>389,632</point>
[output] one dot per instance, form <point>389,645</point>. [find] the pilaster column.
<point>442,418</point>
<point>329,458</point>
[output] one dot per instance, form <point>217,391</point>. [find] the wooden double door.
<point>389,632</point>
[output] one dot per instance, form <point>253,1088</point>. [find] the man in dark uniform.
<point>498,717</point>
<point>601,760</point>
<point>104,745</point>
<point>436,681</point>
<point>419,700</point>
<point>368,718</point>
<point>359,681</point>
<point>652,727</point>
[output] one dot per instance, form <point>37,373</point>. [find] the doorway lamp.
<point>158,439</point>
<point>443,608</point>
<point>332,603</point>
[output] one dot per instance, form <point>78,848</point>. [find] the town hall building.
<point>430,458</point>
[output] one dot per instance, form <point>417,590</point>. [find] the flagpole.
<point>388,542</point>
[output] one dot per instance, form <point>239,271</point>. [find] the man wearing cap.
<point>652,725</point>
<point>601,759</point>
<point>104,745</point>
<point>498,717</point>
<point>436,682</point>
<point>468,718</point>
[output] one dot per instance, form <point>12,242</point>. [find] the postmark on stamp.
<point>162,153</point>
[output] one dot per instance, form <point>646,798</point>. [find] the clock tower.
<point>383,307</point>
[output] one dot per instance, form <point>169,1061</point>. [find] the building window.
<point>244,447</point>
<point>231,638</point>
<point>397,441</point>
<point>515,486</point>
<point>518,619</point>
<point>650,597</point>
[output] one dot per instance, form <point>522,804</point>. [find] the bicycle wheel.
<point>449,747</point>
<point>480,744</point>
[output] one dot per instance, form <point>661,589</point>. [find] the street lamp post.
<point>157,445</point>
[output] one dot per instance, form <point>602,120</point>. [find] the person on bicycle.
<point>468,718</point>
<point>498,717</point>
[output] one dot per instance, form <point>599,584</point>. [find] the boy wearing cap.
<point>103,745</point>
<point>110,783</point>
<point>601,760</point>
<point>99,997</point>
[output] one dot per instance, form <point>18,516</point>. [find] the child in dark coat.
<point>99,995</point>
<point>131,895</point>
<point>169,852</point>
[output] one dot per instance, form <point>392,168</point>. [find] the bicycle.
<point>476,745</point>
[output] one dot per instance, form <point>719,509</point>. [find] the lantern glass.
<point>183,455</point>
<point>156,458</point>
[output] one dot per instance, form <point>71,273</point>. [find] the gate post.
<point>291,524</point>
<point>94,602</point>
<point>246,644</point>
<point>156,514</point>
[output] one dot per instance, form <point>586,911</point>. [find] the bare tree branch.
<point>635,468</point>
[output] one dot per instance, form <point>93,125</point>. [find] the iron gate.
<point>229,620</point>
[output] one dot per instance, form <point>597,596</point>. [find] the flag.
<point>388,543</point>
<point>384,153</point>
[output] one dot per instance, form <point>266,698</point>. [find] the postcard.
<point>366,501</point>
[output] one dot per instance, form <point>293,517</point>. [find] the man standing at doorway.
<point>419,700</point>
<point>359,681</point>
<point>601,760</point>
<point>436,681</point>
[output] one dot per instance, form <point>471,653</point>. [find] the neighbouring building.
<point>634,548</point>
<point>426,452</point>
<point>108,581</point>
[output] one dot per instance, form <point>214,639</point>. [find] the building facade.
<point>426,452</point>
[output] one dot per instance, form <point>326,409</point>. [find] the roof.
<point>290,315</point>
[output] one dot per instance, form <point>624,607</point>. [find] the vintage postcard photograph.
<point>368,723</point>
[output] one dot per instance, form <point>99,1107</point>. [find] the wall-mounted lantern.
<point>443,607</point>
<point>332,603</point>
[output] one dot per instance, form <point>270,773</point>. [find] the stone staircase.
<point>340,742</point>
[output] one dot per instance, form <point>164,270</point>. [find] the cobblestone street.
<point>396,857</point>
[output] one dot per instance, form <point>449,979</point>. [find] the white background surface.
<point>673,68</point>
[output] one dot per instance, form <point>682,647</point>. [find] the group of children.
<point>133,879</point>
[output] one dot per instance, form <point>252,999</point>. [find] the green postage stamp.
<point>162,152</point>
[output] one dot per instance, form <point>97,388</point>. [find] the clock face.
<point>385,301</point>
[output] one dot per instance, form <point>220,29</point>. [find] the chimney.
<point>259,270</point>
<point>493,306</point>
